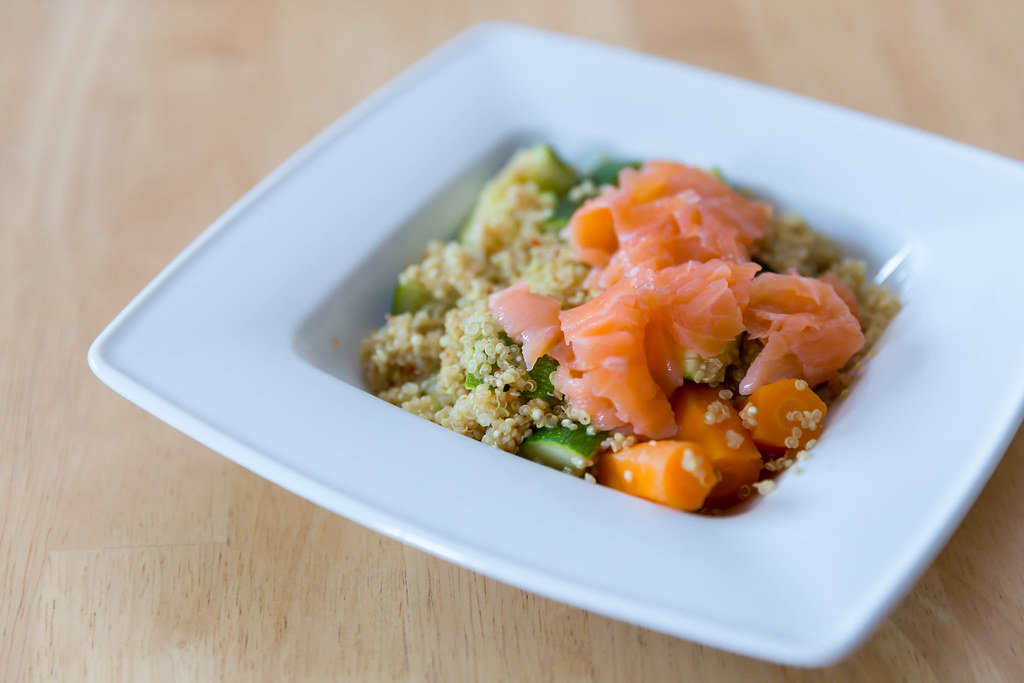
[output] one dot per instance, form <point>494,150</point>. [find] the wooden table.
<point>129,551</point>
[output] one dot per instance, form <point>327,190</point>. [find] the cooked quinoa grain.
<point>793,244</point>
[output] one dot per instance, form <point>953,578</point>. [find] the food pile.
<point>646,326</point>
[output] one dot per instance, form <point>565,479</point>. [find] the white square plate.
<point>248,342</point>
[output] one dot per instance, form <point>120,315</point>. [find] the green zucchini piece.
<point>538,164</point>
<point>697,368</point>
<point>607,171</point>
<point>473,381</point>
<point>541,375</point>
<point>563,212</point>
<point>561,448</point>
<point>409,297</point>
<point>541,164</point>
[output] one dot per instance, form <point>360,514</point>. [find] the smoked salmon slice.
<point>531,319</point>
<point>670,252</point>
<point>808,329</point>
<point>621,354</point>
<point>701,304</point>
<point>717,202</point>
<point>843,290</point>
<point>609,363</point>
<point>664,214</point>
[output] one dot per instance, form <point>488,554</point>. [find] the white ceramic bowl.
<point>248,342</point>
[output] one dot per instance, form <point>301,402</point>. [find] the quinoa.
<point>406,349</point>
<point>791,243</point>
<point>710,370</point>
<point>450,361</point>
<point>420,361</point>
<point>618,441</point>
<point>745,355</point>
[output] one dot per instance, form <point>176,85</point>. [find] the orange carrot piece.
<point>784,415</point>
<point>673,473</point>
<point>705,417</point>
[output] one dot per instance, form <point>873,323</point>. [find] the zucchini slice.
<point>607,171</point>
<point>409,297</point>
<point>541,375</point>
<point>561,448</point>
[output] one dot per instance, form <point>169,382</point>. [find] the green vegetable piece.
<point>538,164</point>
<point>717,172</point>
<point>541,164</point>
<point>607,171</point>
<point>409,297</point>
<point>697,368</point>
<point>561,448</point>
<point>541,375</point>
<point>473,381</point>
<point>563,212</point>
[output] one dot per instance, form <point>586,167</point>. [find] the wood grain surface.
<point>130,552</point>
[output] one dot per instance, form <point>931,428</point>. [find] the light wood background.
<point>128,551</point>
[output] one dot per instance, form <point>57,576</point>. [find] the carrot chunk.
<point>705,415</point>
<point>784,415</point>
<point>673,473</point>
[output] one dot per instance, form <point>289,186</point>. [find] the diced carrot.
<point>705,417</point>
<point>784,415</point>
<point>673,473</point>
